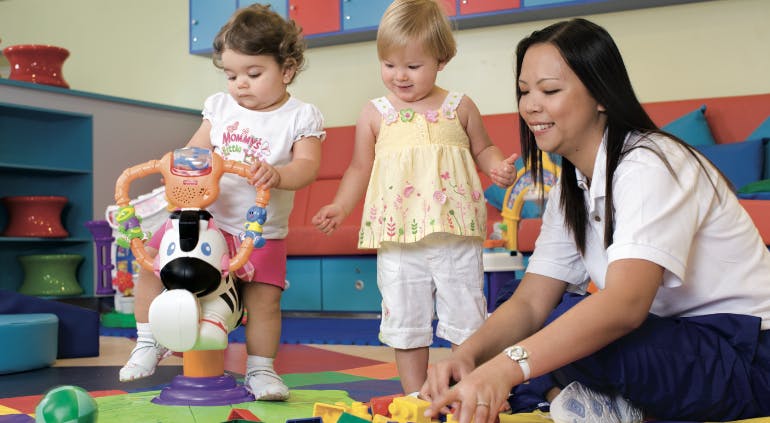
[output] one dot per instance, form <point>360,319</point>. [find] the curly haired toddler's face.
<point>256,82</point>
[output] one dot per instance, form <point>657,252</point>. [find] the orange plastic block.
<point>379,405</point>
<point>242,414</point>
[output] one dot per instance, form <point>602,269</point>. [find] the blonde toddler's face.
<point>409,72</point>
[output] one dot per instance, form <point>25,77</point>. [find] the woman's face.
<point>556,106</point>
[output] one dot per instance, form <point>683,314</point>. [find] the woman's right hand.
<point>328,218</point>
<point>445,373</point>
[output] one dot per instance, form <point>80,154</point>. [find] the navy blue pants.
<point>712,367</point>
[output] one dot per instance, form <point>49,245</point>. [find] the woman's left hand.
<point>480,394</point>
<point>264,176</point>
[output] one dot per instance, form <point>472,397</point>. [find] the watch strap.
<point>524,364</point>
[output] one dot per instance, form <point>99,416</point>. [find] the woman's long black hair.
<point>591,53</point>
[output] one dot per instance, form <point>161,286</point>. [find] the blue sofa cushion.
<point>763,131</point>
<point>692,128</point>
<point>741,162</point>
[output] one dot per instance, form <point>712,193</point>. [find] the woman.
<point>678,328</point>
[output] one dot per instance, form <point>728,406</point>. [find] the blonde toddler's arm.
<point>488,156</point>
<point>356,177</point>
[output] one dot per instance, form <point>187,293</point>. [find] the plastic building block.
<point>346,417</point>
<point>379,405</point>
<point>518,417</point>
<point>305,420</point>
<point>329,413</point>
<point>242,414</point>
<point>359,409</point>
<point>409,409</point>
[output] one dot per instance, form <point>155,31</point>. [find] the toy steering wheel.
<point>191,176</point>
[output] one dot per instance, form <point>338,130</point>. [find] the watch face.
<point>517,353</point>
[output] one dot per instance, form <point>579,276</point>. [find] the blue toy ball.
<point>66,404</point>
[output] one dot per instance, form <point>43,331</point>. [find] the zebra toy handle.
<point>255,218</point>
<point>191,176</point>
<point>200,304</point>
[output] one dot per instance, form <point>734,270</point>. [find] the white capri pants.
<point>441,267</point>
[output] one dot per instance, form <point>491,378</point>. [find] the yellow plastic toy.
<point>327,412</point>
<point>523,189</point>
<point>409,409</point>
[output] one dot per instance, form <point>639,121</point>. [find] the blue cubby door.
<point>350,284</point>
<point>303,288</point>
<point>206,19</point>
<point>362,14</point>
<point>279,6</point>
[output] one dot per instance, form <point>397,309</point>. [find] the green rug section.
<point>138,408</point>
<point>118,320</point>
<point>326,378</point>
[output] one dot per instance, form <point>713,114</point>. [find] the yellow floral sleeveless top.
<point>423,180</point>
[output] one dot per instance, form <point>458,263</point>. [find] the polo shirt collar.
<point>597,188</point>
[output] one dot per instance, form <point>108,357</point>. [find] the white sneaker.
<point>579,404</point>
<point>266,385</point>
<point>143,361</point>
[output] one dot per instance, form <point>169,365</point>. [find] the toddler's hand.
<point>328,218</point>
<point>264,176</point>
<point>504,175</point>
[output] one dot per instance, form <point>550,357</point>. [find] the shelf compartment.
<point>44,138</point>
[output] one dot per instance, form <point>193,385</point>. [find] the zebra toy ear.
<point>156,265</point>
<point>224,265</point>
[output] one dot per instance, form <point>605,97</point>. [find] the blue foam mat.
<point>310,330</point>
<point>78,327</point>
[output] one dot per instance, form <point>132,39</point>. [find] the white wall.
<point>138,49</point>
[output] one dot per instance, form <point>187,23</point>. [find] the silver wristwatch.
<point>518,354</point>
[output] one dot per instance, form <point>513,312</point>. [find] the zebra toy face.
<point>193,254</point>
<point>201,304</point>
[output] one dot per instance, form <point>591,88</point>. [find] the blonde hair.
<point>257,30</point>
<point>421,21</point>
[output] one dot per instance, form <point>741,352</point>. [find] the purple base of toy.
<point>203,391</point>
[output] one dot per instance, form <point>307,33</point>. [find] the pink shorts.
<point>265,265</point>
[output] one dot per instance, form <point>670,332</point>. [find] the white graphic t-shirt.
<point>244,135</point>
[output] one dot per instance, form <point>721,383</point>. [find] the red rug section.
<point>296,358</point>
